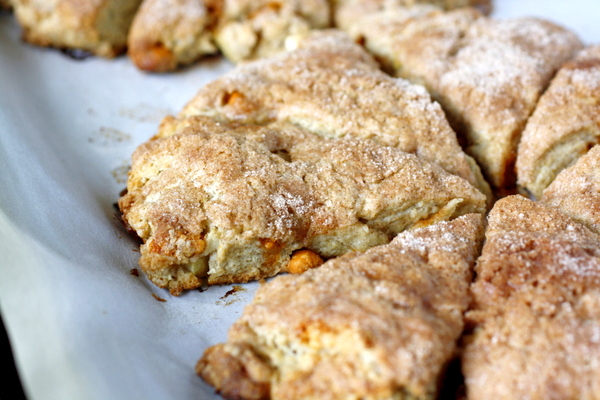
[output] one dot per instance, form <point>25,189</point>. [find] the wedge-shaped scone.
<point>333,88</point>
<point>168,33</point>
<point>376,325</point>
<point>576,191</point>
<point>487,74</point>
<point>536,308</point>
<point>97,26</point>
<point>225,203</point>
<point>565,124</point>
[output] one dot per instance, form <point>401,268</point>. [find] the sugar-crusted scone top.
<point>486,73</point>
<point>535,307</point>
<point>348,13</point>
<point>378,325</point>
<point>332,87</point>
<point>231,203</point>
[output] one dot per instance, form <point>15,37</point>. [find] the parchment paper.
<point>80,324</point>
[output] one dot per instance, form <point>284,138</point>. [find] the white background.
<point>81,326</point>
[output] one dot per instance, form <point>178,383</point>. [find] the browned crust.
<point>534,314</point>
<point>378,325</point>
<point>230,203</point>
<point>333,88</point>
<point>487,74</point>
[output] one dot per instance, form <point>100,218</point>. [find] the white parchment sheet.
<point>80,324</point>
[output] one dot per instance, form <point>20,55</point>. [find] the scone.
<point>250,29</point>
<point>97,26</point>
<point>166,34</point>
<point>535,311</point>
<point>171,33</point>
<point>230,203</point>
<point>376,325</point>
<point>565,124</point>
<point>487,74</point>
<point>332,87</point>
<point>576,191</point>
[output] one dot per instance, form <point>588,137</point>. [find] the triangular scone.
<point>536,307</point>
<point>376,325</point>
<point>576,190</point>
<point>97,26</point>
<point>330,86</point>
<point>487,74</point>
<point>225,203</point>
<point>564,125</point>
<point>166,34</point>
<point>170,33</point>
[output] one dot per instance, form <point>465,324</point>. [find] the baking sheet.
<point>81,325</point>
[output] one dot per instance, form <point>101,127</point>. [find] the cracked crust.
<point>487,74</point>
<point>378,325</point>
<point>97,26</point>
<point>576,191</point>
<point>535,307</point>
<point>227,203</point>
<point>333,88</point>
<point>564,125</point>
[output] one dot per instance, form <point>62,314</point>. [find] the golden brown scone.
<point>250,29</point>
<point>535,311</point>
<point>564,125</point>
<point>376,325</point>
<point>333,88</point>
<point>226,203</point>
<point>487,74</point>
<point>97,26</point>
<point>576,191</point>
<point>166,34</point>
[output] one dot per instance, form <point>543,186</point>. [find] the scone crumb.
<point>158,298</point>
